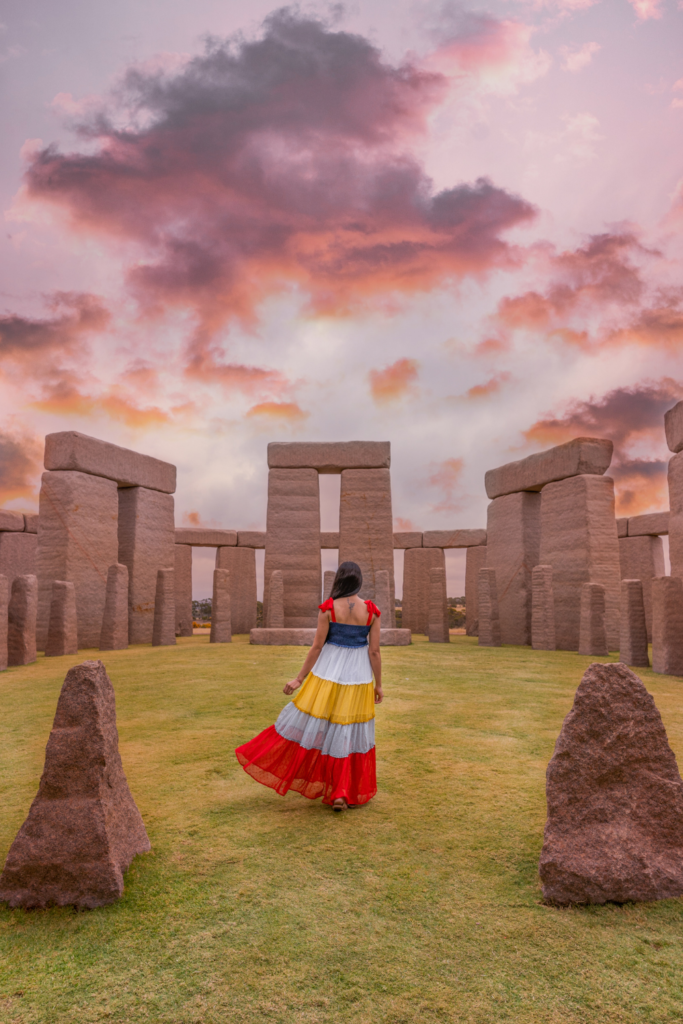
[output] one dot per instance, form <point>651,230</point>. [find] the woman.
<point>323,742</point>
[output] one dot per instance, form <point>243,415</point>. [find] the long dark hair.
<point>347,581</point>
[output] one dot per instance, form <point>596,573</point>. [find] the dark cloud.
<point>22,339</point>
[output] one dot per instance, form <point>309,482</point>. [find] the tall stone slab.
<point>579,540</point>
<point>489,617</point>
<point>542,609</point>
<point>114,635</point>
<point>328,583</point>
<point>221,628</point>
<point>77,542</point>
<point>4,610</point>
<point>513,543</point>
<point>18,555</point>
<point>21,621</point>
<point>183,590</point>
<point>633,635</point>
<point>382,594</point>
<point>366,528</point>
<point>62,633</point>
<point>146,544</point>
<point>163,633</point>
<point>241,563</point>
<point>276,601</point>
<point>475,559</point>
<point>676,514</point>
<point>642,558</point>
<point>293,543</point>
<point>417,565</point>
<point>667,625</point>
<point>438,607</point>
<point>592,635</point>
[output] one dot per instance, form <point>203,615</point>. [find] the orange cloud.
<point>490,387</point>
<point>446,478</point>
<point>20,466</point>
<point>287,411</point>
<point>393,381</point>
<point>404,525</point>
<point>65,399</point>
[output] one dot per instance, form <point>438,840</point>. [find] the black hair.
<point>347,581</point>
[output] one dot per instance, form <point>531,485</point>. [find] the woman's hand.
<point>290,687</point>
<point>379,694</point>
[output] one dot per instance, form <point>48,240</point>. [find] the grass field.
<point>424,906</point>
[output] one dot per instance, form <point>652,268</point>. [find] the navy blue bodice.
<point>344,634</point>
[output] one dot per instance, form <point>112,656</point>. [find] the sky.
<point>456,227</point>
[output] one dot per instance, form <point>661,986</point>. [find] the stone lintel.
<point>329,539</point>
<point>251,538</point>
<point>329,456</point>
<point>11,521</point>
<point>70,450</point>
<point>199,537</point>
<point>408,539</point>
<point>453,538</point>
<point>583,455</point>
<point>652,524</point>
<point>622,527</point>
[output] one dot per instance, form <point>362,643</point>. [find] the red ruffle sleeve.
<point>327,606</point>
<point>373,609</point>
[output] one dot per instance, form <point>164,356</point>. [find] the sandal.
<point>339,804</point>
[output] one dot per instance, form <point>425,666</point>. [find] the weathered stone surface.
<point>542,609</point>
<point>475,559</point>
<point>62,633</point>
<point>18,555</point>
<point>69,450</point>
<point>31,522</point>
<point>276,601</point>
<point>21,621</point>
<point>489,618</point>
<point>653,524</point>
<point>633,636</point>
<point>114,635</point>
<point>10,521</point>
<point>382,594</point>
<point>305,637</point>
<point>83,828</point>
<point>221,617</point>
<point>417,563</point>
<point>329,540</point>
<point>622,527</point>
<point>205,537</point>
<point>4,611</point>
<point>329,456</point>
<point>615,798</point>
<point>592,636</point>
<point>251,539</point>
<point>241,563</point>
<point>163,633</point>
<point>183,590</point>
<point>438,607</point>
<point>579,540</point>
<point>407,539</point>
<point>77,542</point>
<point>667,625</point>
<point>582,456</point>
<point>676,514</point>
<point>453,538</point>
<point>366,533</point>
<point>642,558</point>
<point>513,543</point>
<point>146,544</point>
<point>673,427</point>
<point>328,581</point>
<point>394,637</point>
<point>293,543</point>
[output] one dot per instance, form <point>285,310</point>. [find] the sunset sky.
<point>455,227</point>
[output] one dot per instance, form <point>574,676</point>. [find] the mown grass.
<point>423,907</point>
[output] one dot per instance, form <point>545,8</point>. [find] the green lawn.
<point>423,907</point>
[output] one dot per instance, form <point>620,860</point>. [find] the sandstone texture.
<point>276,601</point>
<point>114,635</point>
<point>667,625</point>
<point>183,590</point>
<point>328,583</point>
<point>453,538</point>
<point>329,456</point>
<point>62,633</point>
<point>382,594</point>
<point>4,611</point>
<point>642,558</point>
<point>12,522</point>
<point>415,607</point>
<point>489,618</point>
<point>633,637</point>
<point>542,609</point>
<point>676,514</point>
<point>251,539</point>
<point>69,450</point>
<point>673,427</point>
<point>329,540</point>
<point>394,637</point>
<point>592,636</point>
<point>475,559</point>
<point>221,617</point>
<point>366,533</point>
<point>297,637</point>
<point>241,563</point>
<point>437,629</point>
<point>31,522</point>
<point>83,828</point>
<point>614,830</point>
<point>21,621</point>
<point>293,543</point>
<point>18,555</point>
<point>583,455</point>
<point>579,540</point>
<point>513,543</point>
<point>77,542</point>
<point>654,524</point>
<point>163,632</point>
<point>204,537</point>
<point>622,527</point>
<point>407,539</point>
<point>146,544</point>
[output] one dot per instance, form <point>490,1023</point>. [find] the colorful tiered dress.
<point>323,742</point>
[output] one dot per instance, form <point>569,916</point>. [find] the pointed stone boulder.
<point>614,831</point>
<point>83,828</point>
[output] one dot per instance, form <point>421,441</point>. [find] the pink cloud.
<point>646,9</point>
<point>446,478</point>
<point>394,381</point>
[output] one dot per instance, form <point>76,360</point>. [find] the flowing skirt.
<point>323,742</point>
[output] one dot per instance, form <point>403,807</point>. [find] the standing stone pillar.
<point>293,543</point>
<point>114,635</point>
<point>18,554</point>
<point>276,601</point>
<point>241,563</point>
<point>183,589</point>
<point>62,634</point>
<point>676,514</point>
<point>633,637</point>
<point>382,595</point>
<point>542,609</point>
<point>642,558</point>
<point>438,607</point>
<point>328,582</point>
<point>21,621</point>
<point>146,545</point>
<point>77,542</point>
<point>163,632</point>
<point>4,608</point>
<point>489,618</point>
<point>475,560</point>
<point>592,635</point>
<point>366,533</point>
<point>579,540</point>
<point>667,625</point>
<point>417,565</point>
<point>512,549</point>
<point>221,621</point>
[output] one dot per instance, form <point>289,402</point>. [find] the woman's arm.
<point>312,656</point>
<point>376,659</point>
